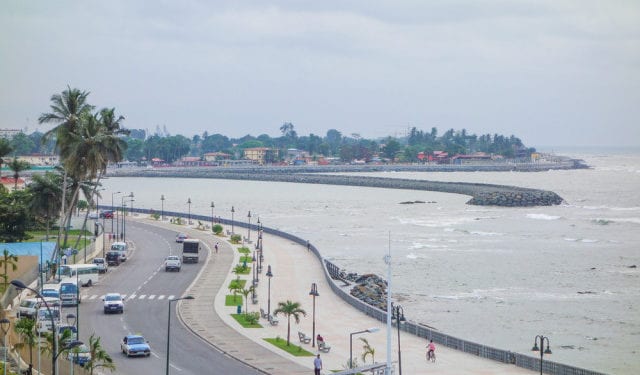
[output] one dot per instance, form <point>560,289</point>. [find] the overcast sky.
<point>550,72</point>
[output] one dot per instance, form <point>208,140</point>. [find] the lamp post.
<point>189,203</point>
<point>269,275</point>
<point>4,325</point>
<point>54,350</point>
<point>369,330</point>
<point>212,207</point>
<point>113,211</point>
<point>162,209</point>
<point>398,315</point>
<point>253,272</point>
<point>541,339</point>
<point>232,212</point>
<point>71,321</point>
<point>123,218</point>
<point>132,200</point>
<point>249,228</point>
<point>314,293</point>
<point>169,328</point>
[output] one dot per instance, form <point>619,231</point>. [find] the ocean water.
<point>498,276</point>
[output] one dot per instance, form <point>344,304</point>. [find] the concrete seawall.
<point>481,194</point>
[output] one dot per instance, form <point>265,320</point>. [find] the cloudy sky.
<point>552,72</point>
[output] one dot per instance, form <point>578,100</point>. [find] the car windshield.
<point>50,293</point>
<point>100,260</point>
<point>173,258</point>
<point>135,340</point>
<point>112,298</point>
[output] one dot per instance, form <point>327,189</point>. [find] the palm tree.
<point>25,328</point>
<point>46,196</point>
<point>18,166</point>
<point>289,309</point>
<point>368,350</point>
<point>5,149</point>
<point>6,260</point>
<point>245,292</point>
<point>66,111</point>
<point>99,356</point>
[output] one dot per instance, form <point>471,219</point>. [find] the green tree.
<point>22,144</point>
<point>99,356</point>
<point>245,292</point>
<point>368,351</point>
<point>14,216</point>
<point>25,328</point>
<point>391,148</point>
<point>5,149</point>
<point>17,166</point>
<point>290,309</point>
<point>7,260</point>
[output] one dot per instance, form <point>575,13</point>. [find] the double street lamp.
<point>54,351</point>
<point>232,212</point>
<point>113,211</point>
<point>541,339</point>
<point>397,314</point>
<point>189,203</point>
<point>369,330</point>
<point>212,220</point>
<point>314,293</point>
<point>162,208</point>
<point>269,275</point>
<point>169,328</point>
<point>249,228</point>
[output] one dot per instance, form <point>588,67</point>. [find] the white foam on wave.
<point>604,207</point>
<point>632,220</point>
<point>542,217</point>
<point>570,239</point>
<point>586,240</point>
<point>481,233</point>
<point>438,222</point>
<point>412,256</point>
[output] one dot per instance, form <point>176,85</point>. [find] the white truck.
<point>190,250</point>
<point>172,263</point>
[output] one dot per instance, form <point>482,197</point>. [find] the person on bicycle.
<point>431,351</point>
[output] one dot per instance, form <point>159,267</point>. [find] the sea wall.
<point>481,194</point>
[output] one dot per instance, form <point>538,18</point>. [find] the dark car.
<point>113,258</point>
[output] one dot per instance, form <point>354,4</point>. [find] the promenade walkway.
<point>294,270</point>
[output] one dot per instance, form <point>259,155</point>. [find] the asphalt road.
<point>148,288</point>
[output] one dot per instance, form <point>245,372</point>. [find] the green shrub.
<point>217,229</point>
<point>236,238</point>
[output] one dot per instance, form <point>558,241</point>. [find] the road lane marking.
<point>142,296</point>
<point>152,296</point>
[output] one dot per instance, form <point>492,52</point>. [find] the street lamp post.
<point>369,330</point>
<point>132,200</point>
<point>253,273</point>
<point>71,321</point>
<point>269,275</point>
<point>314,293</point>
<point>113,211</point>
<point>249,228</point>
<point>398,315</point>
<point>162,209</point>
<point>169,328</point>
<point>189,203</point>
<point>212,207</point>
<point>54,350</point>
<point>232,212</point>
<point>124,211</point>
<point>4,325</point>
<point>541,339</point>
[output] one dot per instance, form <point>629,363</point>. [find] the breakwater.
<point>481,194</point>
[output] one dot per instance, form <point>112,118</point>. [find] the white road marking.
<point>171,297</point>
<point>142,296</point>
<point>152,296</point>
<point>161,297</point>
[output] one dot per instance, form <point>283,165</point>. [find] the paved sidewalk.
<point>294,269</point>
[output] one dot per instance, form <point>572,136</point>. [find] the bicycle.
<point>431,355</point>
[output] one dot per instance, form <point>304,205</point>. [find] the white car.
<point>113,303</point>
<point>172,263</point>
<point>102,264</point>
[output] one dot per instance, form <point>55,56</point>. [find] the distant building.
<point>476,158</point>
<point>216,156</point>
<point>262,155</point>
<point>10,183</point>
<point>9,133</point>
<point>189,161</point>
<point>40,159</point>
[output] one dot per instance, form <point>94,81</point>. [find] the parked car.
<point>106,214</point>
<point>102,264</point>
<point>180,237</point>
<point>28,308</point>
<point>172,263</point>
<point>53,293</point>
<point>73,334</point>
<point>113,303</point>
<point>80,354</point>
<point>113,258</point>
<point>122,249</point>
<point>94,215</point>
<point>135,345</point>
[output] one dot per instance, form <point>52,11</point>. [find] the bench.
<point>263,314</point>
<point>323,347</point>
<point>273,320</point>
<point>304,338</point>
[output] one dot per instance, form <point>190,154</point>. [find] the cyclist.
<point>431,351</point>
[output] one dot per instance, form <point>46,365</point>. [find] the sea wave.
<point>481,233</point>
<point>543,217</point>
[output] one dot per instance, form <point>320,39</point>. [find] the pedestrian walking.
<point>317,365</point>
<point>216,248</point>
<point>431,351</point>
